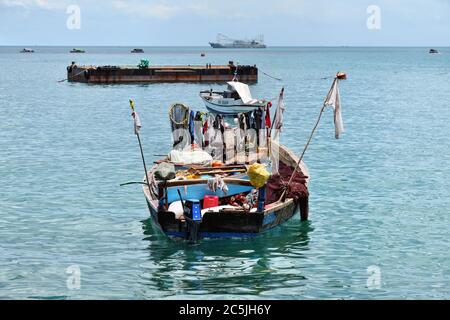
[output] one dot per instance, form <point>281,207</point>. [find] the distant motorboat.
<point>236,99</point>
<point>434,51</point>
<point>137,51</point>
<point>26,50</point>
<point>75,50</point>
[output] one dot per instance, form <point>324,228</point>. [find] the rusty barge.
<point>159,74</point>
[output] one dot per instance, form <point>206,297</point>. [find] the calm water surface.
<point>379,197</point>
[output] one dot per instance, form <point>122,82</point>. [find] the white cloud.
<point>28,4</point>
<point>156,10</point>
<point>231,9</point>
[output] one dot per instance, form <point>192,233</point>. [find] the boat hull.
<point>160,74</point>
<point>224,225</point>
<point>232,224</point>
<point>230,109</point>
<point>216,45</point>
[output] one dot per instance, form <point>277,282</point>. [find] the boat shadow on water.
<point>234,267</point>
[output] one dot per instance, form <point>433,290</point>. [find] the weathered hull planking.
<point>232,224</point>
<point>160,74</point>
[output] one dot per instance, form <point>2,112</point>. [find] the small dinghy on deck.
<point>236,99</point>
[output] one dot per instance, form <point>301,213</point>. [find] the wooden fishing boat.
<point>256,188</point>
<point>223,221</point>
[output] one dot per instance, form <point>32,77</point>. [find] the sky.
<point>196,22</point>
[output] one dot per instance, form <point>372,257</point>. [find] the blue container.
<point>193,209</point>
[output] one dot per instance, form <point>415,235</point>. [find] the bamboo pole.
<point>140,147</point>
<point>282,197</point>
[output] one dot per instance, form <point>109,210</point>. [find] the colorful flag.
<point>334,100</point>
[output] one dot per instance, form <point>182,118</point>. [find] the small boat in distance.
<point>434,51</point>
<point>236,99</point>
<point>75,50</point>
<point>137,50</point>
<point>26,50</point>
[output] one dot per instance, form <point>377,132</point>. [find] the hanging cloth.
<point>268,121</point>
<point>179,119</point>
<point>192,126</point>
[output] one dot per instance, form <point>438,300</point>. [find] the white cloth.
<point>217,209</point>
<point>277,123</point>
<point>177,208</point>
<point>334,100</point>
<point>244,92</point>
<point>137,123</point>
<point>190,157</point>
<point>217,183</point>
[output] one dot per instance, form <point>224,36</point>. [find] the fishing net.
<point>179,121</point>
<point>278,183</point>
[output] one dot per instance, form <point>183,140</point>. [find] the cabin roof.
<point>243,90</point>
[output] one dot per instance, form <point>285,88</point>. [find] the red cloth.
<point>268,122</point>
<point>205,129</point>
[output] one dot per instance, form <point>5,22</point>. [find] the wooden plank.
<point>181,183</point>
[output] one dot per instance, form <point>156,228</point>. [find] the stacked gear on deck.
<point>179,121</point>
<point>144,64</point>
<point>258,175</point>
<point>277,184</point>
<point>203,129</point>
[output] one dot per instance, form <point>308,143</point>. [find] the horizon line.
<point>227,49</point>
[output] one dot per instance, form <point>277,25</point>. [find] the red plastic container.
<point>210,202</point>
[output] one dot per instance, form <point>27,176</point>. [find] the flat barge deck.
<point>159,74</point>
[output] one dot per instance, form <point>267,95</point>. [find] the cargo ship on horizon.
<point>225,42</point>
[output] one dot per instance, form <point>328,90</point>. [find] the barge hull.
<point>218,74</point>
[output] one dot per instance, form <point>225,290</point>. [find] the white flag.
<point>137,123</point>
<point>277,122</point>
<point>334,100</point>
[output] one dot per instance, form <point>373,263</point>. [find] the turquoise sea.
<point>380,196</point>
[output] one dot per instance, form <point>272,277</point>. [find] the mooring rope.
<point>266,74</point>
<point>71,76</point>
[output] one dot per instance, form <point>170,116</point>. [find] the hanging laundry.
<point>258,119</point>
<point>198,129</point>
<point>334,100</point>
<point>192,125</point>
<point>242,121</point>
<point>268,121</point>
<point>217,183</point>
<point>205,130</point>
<point>179,121</point>
<point>278,118</point>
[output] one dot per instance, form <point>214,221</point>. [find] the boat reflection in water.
<point>223,269</point>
